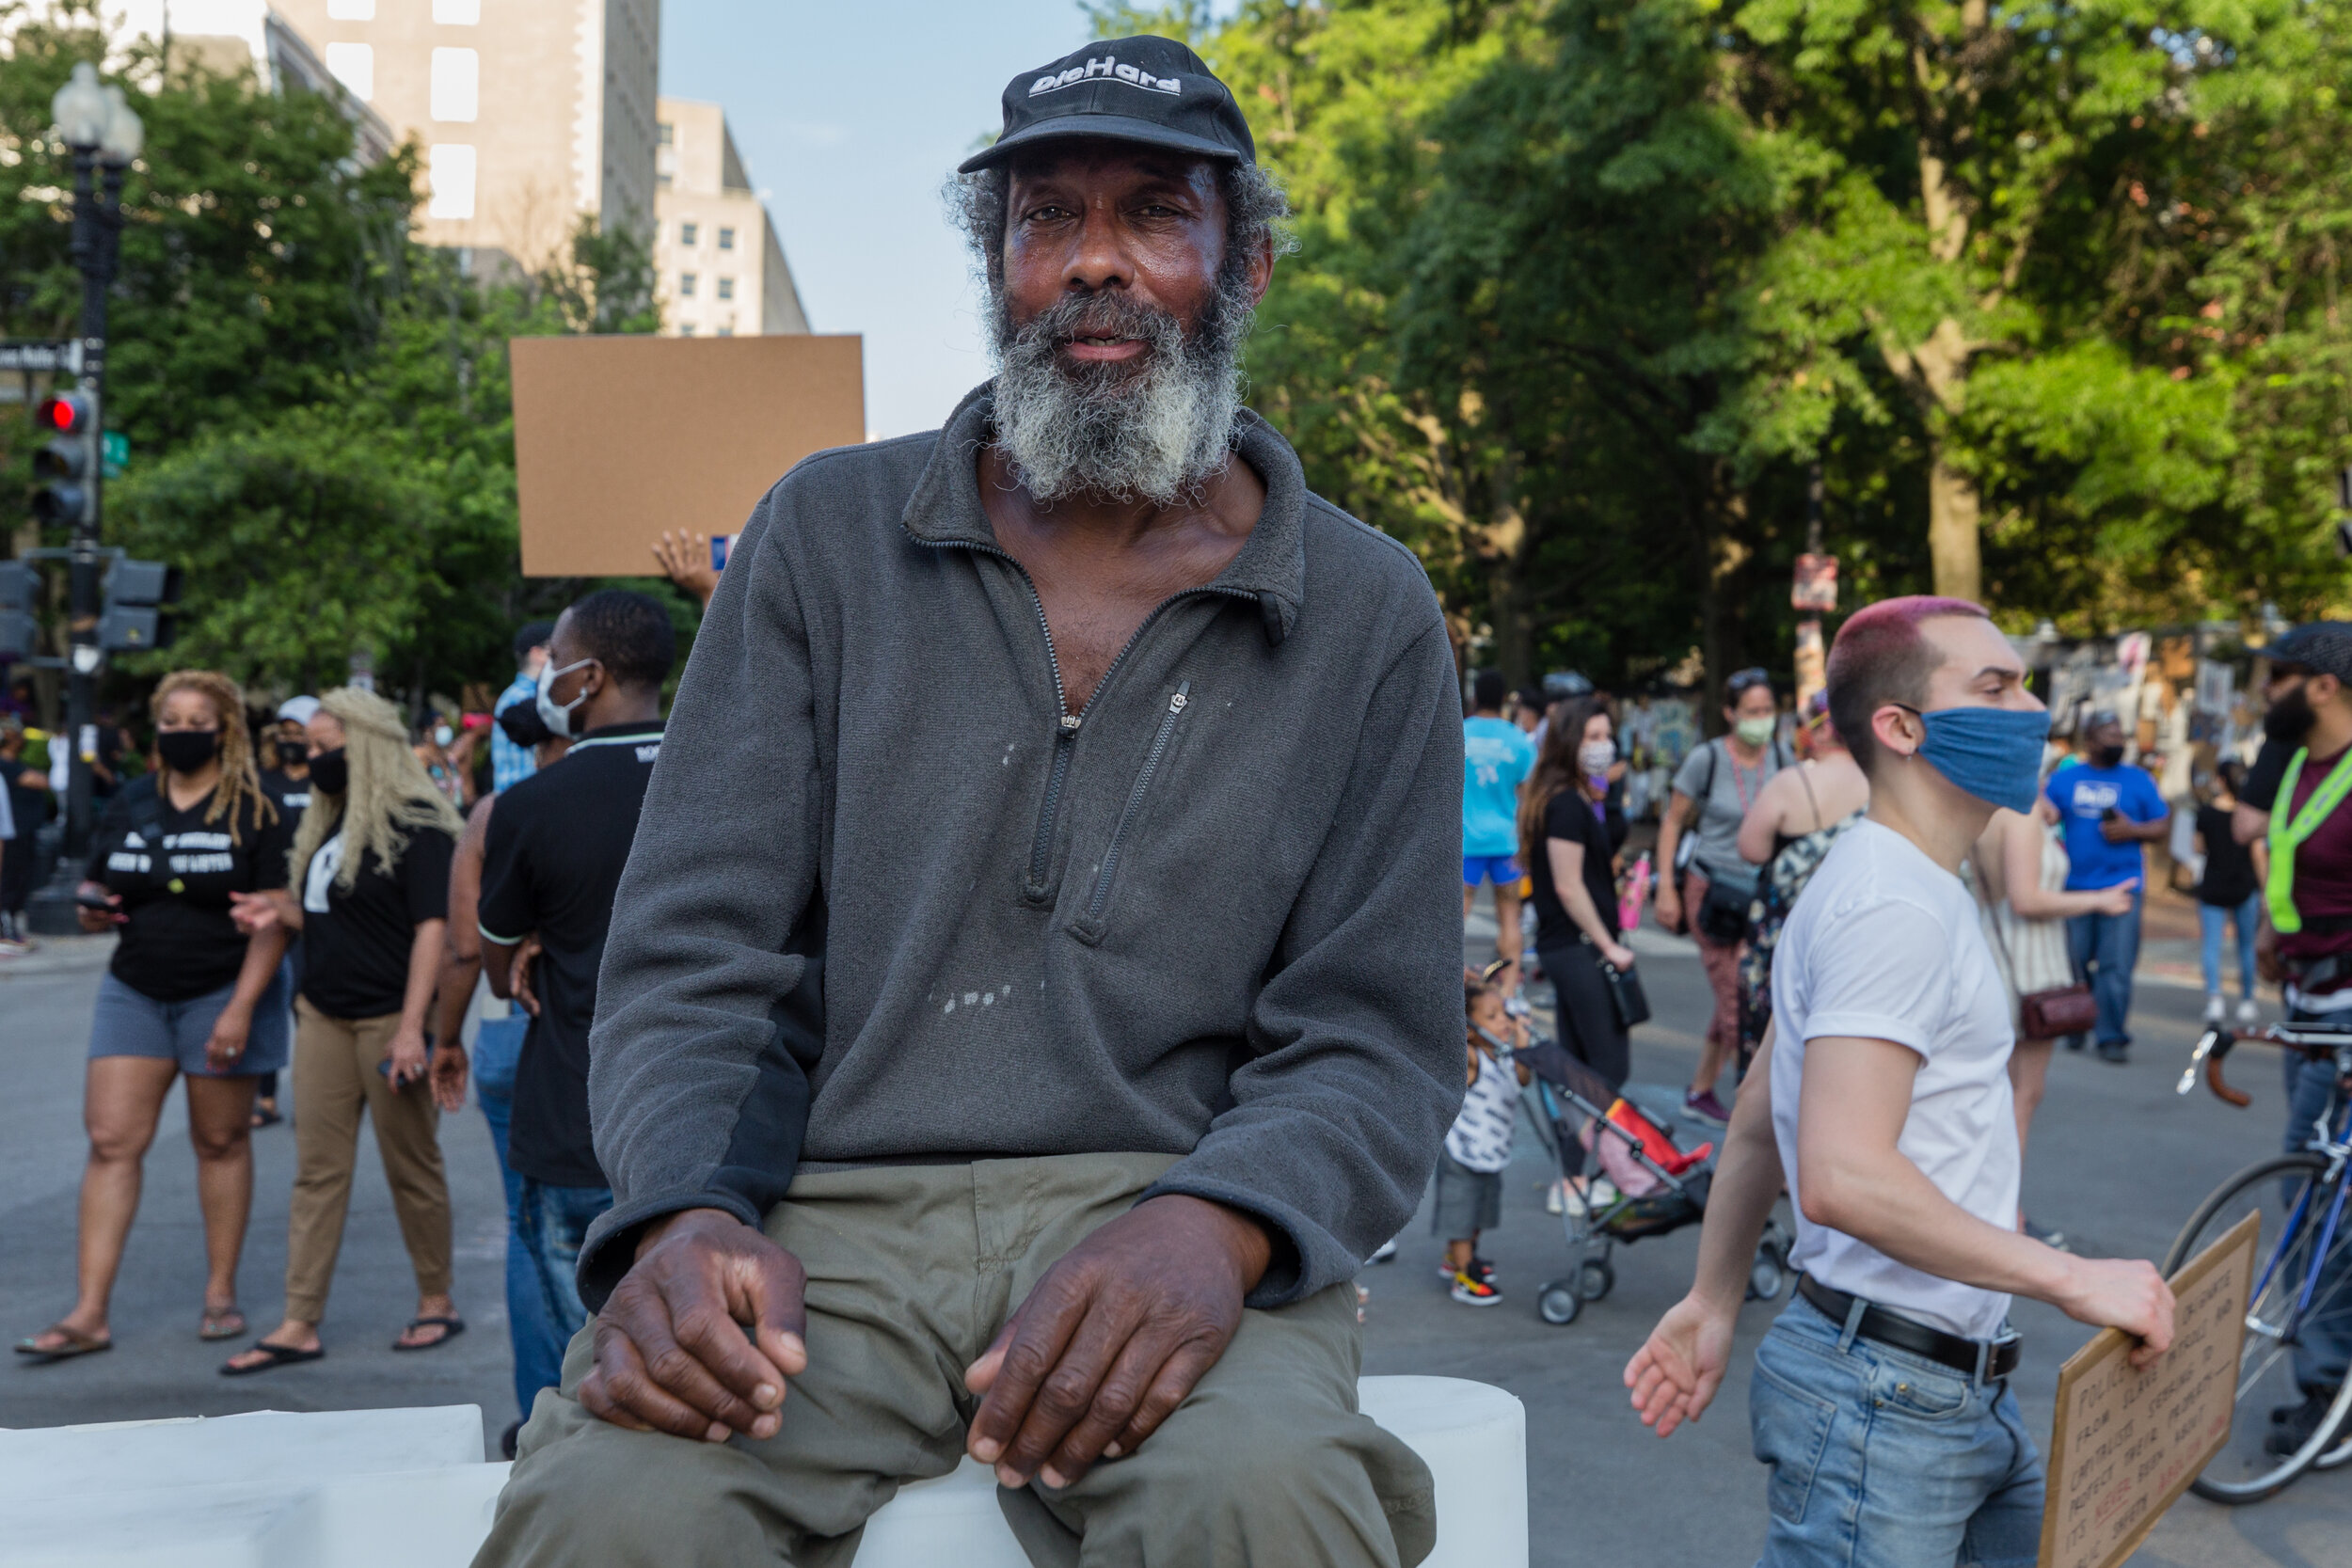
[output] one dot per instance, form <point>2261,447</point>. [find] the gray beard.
<point>1120,432</point>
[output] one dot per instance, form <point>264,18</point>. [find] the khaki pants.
<point>335,1081</point>
<point>912,1270</point>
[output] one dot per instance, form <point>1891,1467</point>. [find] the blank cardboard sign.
<point>617,438</point>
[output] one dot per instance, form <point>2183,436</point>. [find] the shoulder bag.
<point>2042,1015</point>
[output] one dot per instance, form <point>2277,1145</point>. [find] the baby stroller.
<point>1659,1187</point>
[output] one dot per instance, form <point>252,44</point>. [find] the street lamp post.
<point>105,135</point>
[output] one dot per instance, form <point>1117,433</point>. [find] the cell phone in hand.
<point>384,1068</point>
<point>89,900</point>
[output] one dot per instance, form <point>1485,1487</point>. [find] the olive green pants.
<point>912,1270</point>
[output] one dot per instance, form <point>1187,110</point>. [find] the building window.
<point>686,329</point>
<point>351,11</point>
<point>456,85</point>
<point>726,288</point>
<point>686,281</point>
<point>688,233</point>
<point>450,170</point>
<point>662,179</point>
<point>727,239</point>
<point>665,132</point>
<point>354,66</point>
<point>727,332</point>
<point>457,13</point>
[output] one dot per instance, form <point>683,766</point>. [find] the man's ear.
<point>2330,691</point>
<point>1892,725</point>
<point>1261,269</point>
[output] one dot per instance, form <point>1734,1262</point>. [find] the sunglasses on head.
<point>1742,679</point>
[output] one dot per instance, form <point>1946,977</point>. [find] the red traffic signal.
<point>67,414</point>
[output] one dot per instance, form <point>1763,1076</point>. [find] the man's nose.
<point>1099,259</point>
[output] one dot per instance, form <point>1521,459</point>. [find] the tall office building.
<point>531,113</point>
<point>719,268</point>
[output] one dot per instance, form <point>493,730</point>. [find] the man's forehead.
<point>1970,645</point>
<point>1102,158</point>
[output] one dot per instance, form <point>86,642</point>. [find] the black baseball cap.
<point>1153,91</point>
<point>2322,647</point>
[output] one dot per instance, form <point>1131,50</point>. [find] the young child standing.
<point>1469,1167</point>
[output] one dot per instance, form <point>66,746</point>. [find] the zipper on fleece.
<point>1177,702</point>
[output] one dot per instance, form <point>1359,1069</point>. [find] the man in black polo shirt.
<point>557,846</point>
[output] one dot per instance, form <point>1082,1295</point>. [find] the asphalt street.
<point>2117,1162</point>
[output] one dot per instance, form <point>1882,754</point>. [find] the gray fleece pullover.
<point>889,902</point>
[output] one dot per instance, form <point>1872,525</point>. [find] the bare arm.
<point>2248,824</point>
<point>1760,829</point>
<point>1851,1177</point>
<point>262,951</point>
<point>1567,880</point>
<point>424,973</point>
<point>2021,879</point>
<point>1675,1374</point>
<point>461,954</point>
<point>1671,825</point>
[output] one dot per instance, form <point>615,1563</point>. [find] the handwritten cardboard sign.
<point>617,438</point>
<point>2127,1442</point>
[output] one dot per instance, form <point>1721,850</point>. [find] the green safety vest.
<point>2285,835</point>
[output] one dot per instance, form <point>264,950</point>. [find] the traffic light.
<point>139,593</point>
<point>67,467</point>
<point>20,590</point>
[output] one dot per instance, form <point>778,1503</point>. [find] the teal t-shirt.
<point>1496,759</point>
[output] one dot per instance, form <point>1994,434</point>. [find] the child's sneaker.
<point>1384,1253</point>
<point>1472,1291</point>
<point>1479,1269</point>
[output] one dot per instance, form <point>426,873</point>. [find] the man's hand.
<point>2267,963</point>
<point>448,1073</point>
<point>672,1351</point>
<point>685,559</point>
<point>2121,1293</point>
<point>227,1041</point>
<point>1113,1338</point>
<point>1675,1374</point>
<point>518,977</point>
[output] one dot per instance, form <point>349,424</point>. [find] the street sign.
<point>114,453</point>
<point>41,355</point>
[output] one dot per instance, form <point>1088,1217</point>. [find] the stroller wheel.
<point>1765,1276</point>
<point>1594,1278</point>
<point>1557,1304</point>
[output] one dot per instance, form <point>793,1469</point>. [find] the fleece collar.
<point>1271,565</point>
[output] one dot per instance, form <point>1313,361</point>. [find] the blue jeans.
<point>538,1349</point>
<point>555,1221</point>
<point>2323,1347</point>
<point>1886,1460</point>
<point>2105,949</point>
<point>2244,917</point>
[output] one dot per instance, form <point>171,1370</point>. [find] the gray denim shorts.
<point>1467,1199</point>
<point>129,1022</point>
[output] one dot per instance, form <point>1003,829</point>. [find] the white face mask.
<point>443,735</point>
<point>1597,756</point>
<point>557,716</point>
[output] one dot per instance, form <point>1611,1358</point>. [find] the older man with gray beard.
<point>1022,1072</point>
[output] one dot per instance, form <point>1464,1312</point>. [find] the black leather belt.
<point>1984,1360</point>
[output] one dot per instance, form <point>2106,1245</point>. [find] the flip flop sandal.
<point>279,1356</point>
<point>76,1344</point>
<point>450,1329</point>
<point>262,1116</point>
<point>230,1324</point>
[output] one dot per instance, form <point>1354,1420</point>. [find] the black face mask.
<point>294,753</point>
<point>186,751</point>
<point>2108,756</point>
<point>523,725</point>
<point>330,772</point>
<point>2290,717</point>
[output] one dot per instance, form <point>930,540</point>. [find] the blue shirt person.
<point>510,764</point>
<point>2107,811</point>
<point>1497,757</point>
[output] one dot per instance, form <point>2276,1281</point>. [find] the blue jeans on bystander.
<point>2324,1350</point>
<point>1888,1459</point>
<point>2105,949</point>
<point>2245,917</point>
<point>555,1221</point>
<point>538,1349</point>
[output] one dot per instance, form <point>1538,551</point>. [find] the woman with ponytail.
<point>188,993</point>
<point>368,887</point>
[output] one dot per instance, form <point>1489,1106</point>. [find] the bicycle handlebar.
<point>2317,1042</point>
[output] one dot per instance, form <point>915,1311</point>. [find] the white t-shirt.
<point>1886,944</point>
<point>1481,1136</point>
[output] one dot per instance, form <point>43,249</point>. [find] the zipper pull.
<point>1176,704</point>
<point>1069,724</point>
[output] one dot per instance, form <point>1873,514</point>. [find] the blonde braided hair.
<point>390,792</point>
<point>239,782</point>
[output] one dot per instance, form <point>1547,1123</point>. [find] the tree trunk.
<point>1953,544</point>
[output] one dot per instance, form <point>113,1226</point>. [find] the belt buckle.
<point>1988,1348</point>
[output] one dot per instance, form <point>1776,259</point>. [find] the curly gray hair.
<point>1257,212</point>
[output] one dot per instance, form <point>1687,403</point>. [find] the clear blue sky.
<point>849,116</point>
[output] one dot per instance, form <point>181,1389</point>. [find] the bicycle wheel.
<point>2293,1202</point>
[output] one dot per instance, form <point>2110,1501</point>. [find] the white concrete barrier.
<point>407,1489</point>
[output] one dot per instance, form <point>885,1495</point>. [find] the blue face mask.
<point>1993,753</point>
